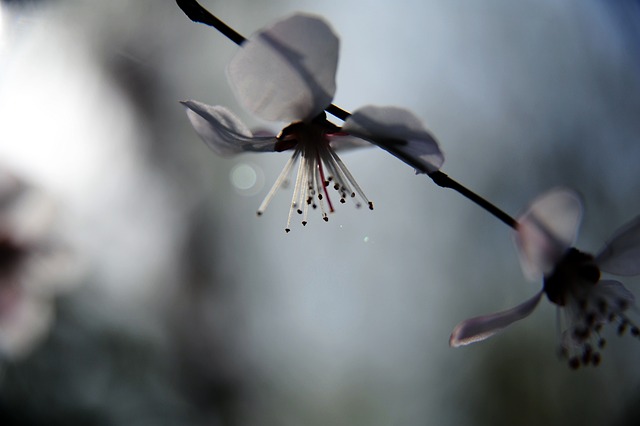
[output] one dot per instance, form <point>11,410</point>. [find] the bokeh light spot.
<point>246,178</point>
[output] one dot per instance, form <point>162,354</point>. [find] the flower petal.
<point>480,328</point>
<point>621,256</point>
<point>546,229</point>
<point>399,132</point>
<point>287,71</point>
<point>223,132</point>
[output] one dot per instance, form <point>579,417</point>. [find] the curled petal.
<point>223,132</point>
<point>399,132</point>
<point>621,256</point>
<point>287,72</point>
<point>480,328</point>
<point>546,229</point>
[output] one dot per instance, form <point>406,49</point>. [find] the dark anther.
<point>581,333</point>
<point>622,328</point>
<point>574,363</point>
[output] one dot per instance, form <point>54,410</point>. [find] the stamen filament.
<point>278,183</point>
<point>322,185</point>
<point>350,178</point>
<point>319,185</point>
<point>296,192</point>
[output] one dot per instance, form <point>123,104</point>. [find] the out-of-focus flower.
<point>31,269</point>
<point>286,72</point>
<point>545,234</point>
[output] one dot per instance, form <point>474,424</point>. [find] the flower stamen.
<point>344,179</point>
<point>314,153</point>
<point>323,187</point>
<point>284,174</point>
<point>297,191</point>
<point>582,341</point>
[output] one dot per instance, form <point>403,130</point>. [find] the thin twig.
<point>443,180</point>
<point>197,13</point>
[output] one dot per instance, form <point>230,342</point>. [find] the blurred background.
<point>138,287</point>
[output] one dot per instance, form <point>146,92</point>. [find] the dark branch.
<point>197,13</point>
<point>443,180</point>
<point>336,111</point>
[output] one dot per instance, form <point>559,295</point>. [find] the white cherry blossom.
<point>571,279</point>
<point>286,72</point>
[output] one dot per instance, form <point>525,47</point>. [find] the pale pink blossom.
<point>286,73</point>
<point>571,279</point>
<point>30,268</point>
